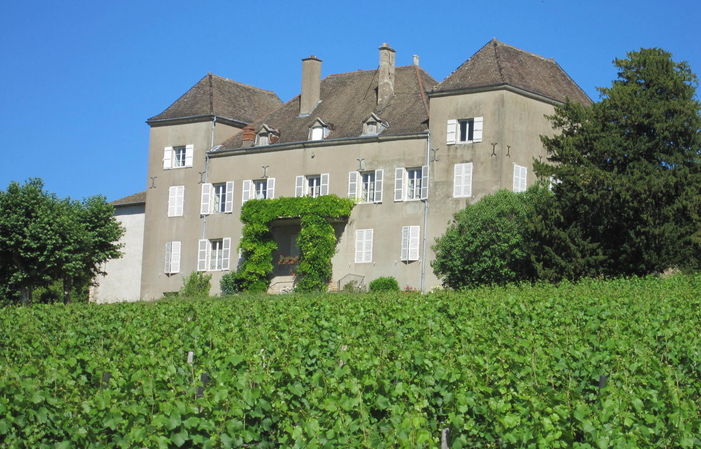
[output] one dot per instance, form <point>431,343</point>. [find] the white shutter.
<point>359,245</point>
<point>246,193</point>
<point>424,182</point>
<point>179,200</point>
<point>452,131</point>
<point>299,186</point>
<point>324,184</point>
<point>353,184</point>
<point>270,194</point>
<point>367,249</point>
<point>398,184</point>
<point>226,254</point>
<point>524,174</point>
<point>175,258</point>
<point>467,180</point>
<point>414,240</point>
<point>167,158</point>
<point>169,252</point>
<point>172,195</point>
<point>520,174</point>
<point>477,130</point>
<point>206,206</point>
<point>405,243</point>
<point>202,255</point>
<point>379,178</point>
<point>458,180</point>
<point>229,203</point>
<point>189,152</point>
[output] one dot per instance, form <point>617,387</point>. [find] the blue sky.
<point>78,79</point>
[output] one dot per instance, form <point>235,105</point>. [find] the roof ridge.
<point>181,96</point>
<point>242,84</point>
<point>498,59</point>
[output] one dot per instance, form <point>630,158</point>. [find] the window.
<point>314,185</point>
<point>319,130</point>
<point>317,133</point>
<point>363,245</point>
<point>217,198</point>
<point>373,125</point>
<point>176,198</point>
<point>172,257</point>
<point>462,180</point>
<point>366,186</point>
<point>411,236</point>
<point>263,139</point>
<point>259,189</point>
<point>267,135</point>
<point>520,175</point>
<point>213,255</point>
<point>411,183</point>
<point>178,157</point>
<point>464,130</point>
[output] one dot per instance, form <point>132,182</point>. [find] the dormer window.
<point>373,126</point>
<point>319,130</point>
<point>267,136</point>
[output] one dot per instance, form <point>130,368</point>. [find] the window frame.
<point>170,157</point>
<point>457,134</point>
<point>411,243</point>
<point>205,249</point>
<point>302,185</point>
<point>401,183</point>
<point>172,257</point>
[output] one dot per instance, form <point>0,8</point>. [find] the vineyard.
<point>597,364</point>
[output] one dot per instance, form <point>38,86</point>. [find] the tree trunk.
<point>67,283</point>
<point>26,295</point>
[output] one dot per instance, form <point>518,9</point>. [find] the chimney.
<point>416,60</point>
<point>385,85</point>
<point>311,85</point>
<point>249,136</point>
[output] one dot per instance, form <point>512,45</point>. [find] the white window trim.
<point>462,180</point>
<point>172,258</point>
<point>203,254</point>
<point>411,239</point>
<point>363,245</point>
<point>520,178</point>
<point>176,200</point>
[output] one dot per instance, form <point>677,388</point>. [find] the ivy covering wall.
<point>316,240</point>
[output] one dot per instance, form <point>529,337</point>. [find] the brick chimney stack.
<point>311,85</point>
<point>249,136</point>
<point>385,86</point>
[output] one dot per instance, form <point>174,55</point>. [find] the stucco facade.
<point>412,152</point>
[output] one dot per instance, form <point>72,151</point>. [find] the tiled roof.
<point>347,100</point>
<point>136,198</point>
<point>497,63</point>
<point>214,95</point>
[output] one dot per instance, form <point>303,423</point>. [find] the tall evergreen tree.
<point>627,175</point>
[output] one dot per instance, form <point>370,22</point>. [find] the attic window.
<point>319,130</point>
<point>373,126</point>
<point>266,136</point>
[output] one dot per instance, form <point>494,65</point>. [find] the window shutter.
<point>299,186</point>
<point>379,178</point>
<point>524,174</point>
<point>172,195</point>
<point>206,206</point>
<point>520,174</point>
<point>167,158</point>
<point>477,131</point>
<point>462,181</point>
<point>405,243</point>
<point>414,240</point>
<point>467,180</point>
<point>324,184</point>
<point>353,184</point>
<point>202,255</point>
<point>398,184</point>
<point>175,258</point>
<point>458,180</point>
<point>189,152</point>
<point>270,194</point>
<point>367,250</point>
<point>452,131</point>
<point>169,252</point>
<point>359,245</point>
<point>179,200</point>
<point>229,203</point>
<point>246,194</point>
<point>424,182</point>
<point>226,254</point>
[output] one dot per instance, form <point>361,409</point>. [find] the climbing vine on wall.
<point>316,241</point>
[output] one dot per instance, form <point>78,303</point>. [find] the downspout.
<point>423,250</point>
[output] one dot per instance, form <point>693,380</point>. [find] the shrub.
<point>231,283</point>
<point>196,285</point>
<point>384,284</point>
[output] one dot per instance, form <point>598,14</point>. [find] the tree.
<point>44,239</point>
<point>627,195</point>
<point>487,242</point>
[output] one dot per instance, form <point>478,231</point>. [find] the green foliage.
<point>384,284</point>
<point>487,242</point>
<point>317,240</point>
<point>196,285</point>
<point>44,239</point>
<point>628,196</point>
<point>511,367</point>
<point>230,283</point>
